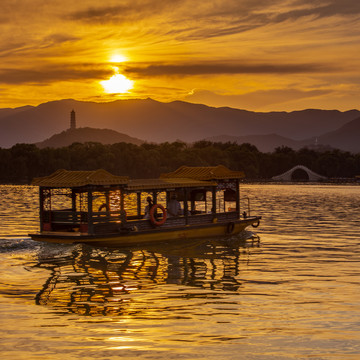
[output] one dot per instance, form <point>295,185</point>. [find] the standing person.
<point>148,207</point>
<point>173,206</point>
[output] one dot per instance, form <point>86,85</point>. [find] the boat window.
<point>130,204</point>
<point>58,199</point>
<point>198,203</point>
<point>106,200</point>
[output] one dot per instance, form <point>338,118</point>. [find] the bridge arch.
<point>299,173</point>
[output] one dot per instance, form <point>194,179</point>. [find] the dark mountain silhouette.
<point>346,138</point>
<point>82,135</point>
<point>154,121</point>
<point>8,111</point>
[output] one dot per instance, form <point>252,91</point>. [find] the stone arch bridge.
<point>299,173</point>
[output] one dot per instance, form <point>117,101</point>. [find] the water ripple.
<point>293,294</point>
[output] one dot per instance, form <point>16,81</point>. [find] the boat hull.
<point>159,234</point>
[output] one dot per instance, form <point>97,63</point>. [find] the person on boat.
<point>193,210</point>
<point>173,206</point>
<point>148,207</point>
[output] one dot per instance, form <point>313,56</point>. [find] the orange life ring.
<point>152,215</point>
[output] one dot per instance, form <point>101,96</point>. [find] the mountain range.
<point>153,121</point>
<point>346,138</point>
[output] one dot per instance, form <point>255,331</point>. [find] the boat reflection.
<point>97,281</point>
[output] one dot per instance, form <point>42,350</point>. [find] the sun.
<point>118,83</point>
<point>118,58</point>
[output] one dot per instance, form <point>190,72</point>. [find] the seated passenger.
<point>173,206</point>
<point>193,209</point>
<point>148,207</point>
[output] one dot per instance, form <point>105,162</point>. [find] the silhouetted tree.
<point>23,162</point>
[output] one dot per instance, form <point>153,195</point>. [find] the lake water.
<point>290,291</point>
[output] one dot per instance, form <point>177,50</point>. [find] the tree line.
<point>21,163</point>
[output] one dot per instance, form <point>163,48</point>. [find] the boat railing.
<point>106,216</point>
<point>206,218</point>
<point>77,217</point>
<point>64,216</point>
<point>112,221</point>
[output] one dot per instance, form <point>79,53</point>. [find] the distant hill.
<point>346,138</point>
<point>155,121</point>
<point>82,135</point>
<point>8,111</point>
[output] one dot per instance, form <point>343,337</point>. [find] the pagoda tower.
<point>72,120</point>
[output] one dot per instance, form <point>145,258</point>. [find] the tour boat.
<point>101,209</point>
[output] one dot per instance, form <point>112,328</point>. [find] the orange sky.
<point>252,54</point>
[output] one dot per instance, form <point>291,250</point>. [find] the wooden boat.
<point>101,209</point>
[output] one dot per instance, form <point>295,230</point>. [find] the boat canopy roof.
<point>219,172</point>
<point>68,179</point>
<point>168,183</point>
<point>183,177</point>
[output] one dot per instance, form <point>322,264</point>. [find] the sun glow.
<point>118,83</point>
<point>117,58</point>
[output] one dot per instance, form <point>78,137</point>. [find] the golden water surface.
<point>288,289</point>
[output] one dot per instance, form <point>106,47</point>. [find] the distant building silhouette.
<point>72,120</point>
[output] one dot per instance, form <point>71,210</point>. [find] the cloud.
<point>189,20</point>
<point>52,73</point>
<point>29,47</point>
<point>256,100</point>
<point>223,68</point>
<point>221,18</point>
<point>100,14</point>
<point>127,11</point>
<point>186,19</point>
<point>324,8</point>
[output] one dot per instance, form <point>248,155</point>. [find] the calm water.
<point>293,294</point>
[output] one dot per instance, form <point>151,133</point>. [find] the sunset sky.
<point>252,54</point>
